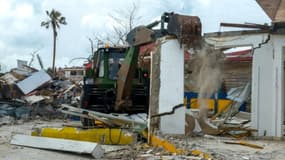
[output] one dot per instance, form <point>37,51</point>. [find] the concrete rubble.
<point>29,94</point>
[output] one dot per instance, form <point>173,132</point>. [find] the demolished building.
<point>171,113</point>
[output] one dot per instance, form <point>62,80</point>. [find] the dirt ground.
<point>11,152</point>
<point>273,150</point>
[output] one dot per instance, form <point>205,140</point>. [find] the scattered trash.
<point>22,113</point>
<point>34,99</point>
<point>9,78</point>
<point>7,120</point>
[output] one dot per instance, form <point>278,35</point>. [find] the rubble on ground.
<point>27,93</point>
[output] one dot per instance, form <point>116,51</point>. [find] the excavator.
<point>117,80</point>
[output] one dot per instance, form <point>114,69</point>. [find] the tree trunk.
<point>54,50</point>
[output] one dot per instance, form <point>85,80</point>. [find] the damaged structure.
<point>169,84</point>
<point>267,69</point>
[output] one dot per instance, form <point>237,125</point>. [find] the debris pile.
<point>26,93</point>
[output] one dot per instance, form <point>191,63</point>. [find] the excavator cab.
<point>100,83</point>
<point>109,62</point>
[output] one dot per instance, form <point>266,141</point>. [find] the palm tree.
<point>55,20</point>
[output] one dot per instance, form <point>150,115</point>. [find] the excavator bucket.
<point>187,29</point>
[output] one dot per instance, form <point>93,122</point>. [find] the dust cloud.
<point>208,74</point>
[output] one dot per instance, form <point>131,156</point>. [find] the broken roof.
<point>275,9</point>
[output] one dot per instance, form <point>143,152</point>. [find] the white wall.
<point>171,87</point>
<point>262,77</point>
<point>268,88</point>
<point>267,99</point>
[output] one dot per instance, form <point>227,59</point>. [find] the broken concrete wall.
<point>167,87</point>
<point>154,88</point>
<point>171,90</point>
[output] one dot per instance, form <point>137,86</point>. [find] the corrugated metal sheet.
<point>33,82</point>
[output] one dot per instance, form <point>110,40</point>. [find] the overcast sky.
<point>21,34</point>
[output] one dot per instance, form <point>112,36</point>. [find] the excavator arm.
<point>187,29</point>
<point>125,77</point>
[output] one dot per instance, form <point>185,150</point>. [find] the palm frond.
<point>56,14</point>
<point>45,24</point>
<point>55,19</point>
<point>62,21</point>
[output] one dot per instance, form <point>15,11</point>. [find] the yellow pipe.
<point>98,135</point>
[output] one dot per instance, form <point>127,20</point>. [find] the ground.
<point>11,152</point>
<point>212,145</point>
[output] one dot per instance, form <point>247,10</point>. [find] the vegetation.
<point>55,19</point>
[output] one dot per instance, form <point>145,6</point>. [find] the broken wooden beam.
<point>244,144</point>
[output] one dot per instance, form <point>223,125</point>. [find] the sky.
<point>21,33</point>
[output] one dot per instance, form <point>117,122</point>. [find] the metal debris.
<point>59,144</point>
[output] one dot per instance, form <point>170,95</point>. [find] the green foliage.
<point>55,20</point>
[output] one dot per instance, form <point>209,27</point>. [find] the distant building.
<point>72,73</point>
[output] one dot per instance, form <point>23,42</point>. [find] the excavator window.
<point>101,68</point>
<point>100,64</point>
<point>115,62</point>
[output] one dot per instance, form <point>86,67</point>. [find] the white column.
<point>278,44</point>
<point>262,90</point>
<point>171,91</point>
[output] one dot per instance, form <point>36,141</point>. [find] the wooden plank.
<point>244,143</point>
<point>58,144</point>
